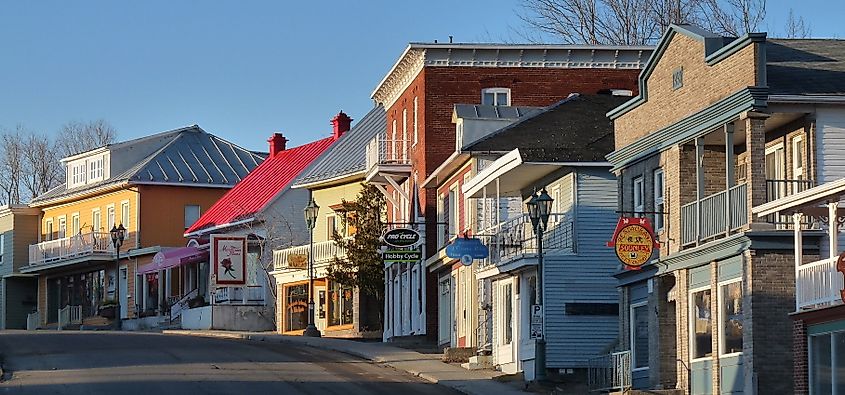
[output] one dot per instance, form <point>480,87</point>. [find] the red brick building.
<point>420,92</point>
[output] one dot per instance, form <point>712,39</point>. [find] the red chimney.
<point>277,144</point>
<point>341,123</point>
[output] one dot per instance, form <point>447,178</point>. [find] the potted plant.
<point>196,301</point>
<point>108,309</point>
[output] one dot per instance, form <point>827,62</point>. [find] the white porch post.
<point>387,293</point>
<point>799,254</point>
<point>498,204</point>
<point>729,173</point>
<point>833,229</point>
<point>699,186</point>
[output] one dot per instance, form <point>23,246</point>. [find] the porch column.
<point>699,185</point>
<point>833,230</point>
<point>498,204</point>
<point>799,253</point>
<point>729,174</point>
<point>755,144</point>
<point>387,290</point>
<point>161,280</point>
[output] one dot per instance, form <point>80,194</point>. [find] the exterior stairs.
<point>479,362</point>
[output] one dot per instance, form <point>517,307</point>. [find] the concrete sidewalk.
<point>426,366</point>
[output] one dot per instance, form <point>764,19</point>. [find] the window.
<point>393,144</point>
<point>639,335</point>
<point>731,317</point>
<point>798,158</point>
<point>701,338</point>
<point>658,200</point>
<point>453,214</point>
<point>468,211</point>
<point>96,225</point>
<point>827,363</point>
<point>496,96</point>
<point>296,307</point>
<point>677,78</point>
<point>62,227</point>
<point>404,125</point>
<point>192,214</point>
<point>74,221</point>
<point>331,226</point>
<point>639,197</point>
<point>48,230</point>
<point>507,305</point>
<point>2,246</point>
<point>124,214</point>
<point>110,218</point>
<point>442,216</point>
<point>416,130</point>
<point>340,304</point>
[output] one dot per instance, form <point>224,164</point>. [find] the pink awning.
<point>173,257</point>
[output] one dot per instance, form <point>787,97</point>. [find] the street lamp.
<point>539,208</point>
<point>311,212</point>
<point>118,234</point>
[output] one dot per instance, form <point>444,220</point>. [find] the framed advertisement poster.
<point>228,255</point>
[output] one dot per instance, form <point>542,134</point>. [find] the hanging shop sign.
<point>401,237</point>
<point>467,249</point>
<point>401,256</point>
<point>228,255</point>
<point>634,242</point>
<point>840,267</point>
<point>297,261</point>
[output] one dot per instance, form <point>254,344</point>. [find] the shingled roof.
<point>575,129</point>
<point>187,156</point>
<point>346,157</point>
<point>805,66</point>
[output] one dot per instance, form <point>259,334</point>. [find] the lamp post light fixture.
<point>539,209</point>
<point>118,234</point>
<point>311,212</point>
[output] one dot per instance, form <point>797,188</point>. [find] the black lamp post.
<point>539,208</point>
<point>118,234</point>
<point>311,212</point>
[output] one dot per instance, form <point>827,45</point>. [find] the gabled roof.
<point>186,156</point>
<point>347,157</point>
<point>805,66</point>
<point>572,130</point>
<point>250,196</point>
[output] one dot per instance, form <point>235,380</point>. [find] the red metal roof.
<point>260,186</point>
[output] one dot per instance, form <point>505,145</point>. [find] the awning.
<point>513,173</point>
<point>173,257</point>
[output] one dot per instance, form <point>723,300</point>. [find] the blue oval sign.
<point>466,249</point>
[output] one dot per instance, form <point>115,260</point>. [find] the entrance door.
<point>444,304</point>
<point>505,321</point>
<point>53,293</point>
<point>775,172</point>
<point>124,293</point>
<point>320,313</point>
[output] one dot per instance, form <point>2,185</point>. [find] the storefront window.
<point>827,363</point>
<point>340,304</point>
<point>702,331</point>
<point>296,307</point>
<point>731,317</point>
<point>639,335</point>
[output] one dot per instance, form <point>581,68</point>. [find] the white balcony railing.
<point>70,247</point>
<point>384,151</point>
<point>297,257</point>
<point>69,315</point>
<point>32,320</point>
<point>818,284</point>
<point>515,238</point>
<point>708,218</point>
<point>240,295</point>
<point>611,372</point>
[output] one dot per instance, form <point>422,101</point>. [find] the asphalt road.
<point>124,363</point>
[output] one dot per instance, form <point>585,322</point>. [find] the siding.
<point>830,154</point>
<point>586,277</point>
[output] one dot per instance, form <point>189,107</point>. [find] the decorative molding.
<point>399,77</point>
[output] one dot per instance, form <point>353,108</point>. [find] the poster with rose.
<point>228,254</point>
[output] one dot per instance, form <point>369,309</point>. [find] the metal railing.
<point>82,244</point>
<point>384,151</point>
<point>177,307</point>
<point>818,284</point>
<point>240,295</point>
<point>515,238</point>
<point>69,315</point>
<point>32,321</point>
<point>297,257</point>
<point>776,189</point>
<point>611,372</point>
<point>712,211</point>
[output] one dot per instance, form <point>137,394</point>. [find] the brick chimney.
<point>277,144</point>
<point>341,123</point>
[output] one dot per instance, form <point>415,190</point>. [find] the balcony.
<point>297,257</point>
<point>515,239</point>
<point>78,246</point>
<point>388,160</point>
<point>776,189</point>
<point>245,295</point>
<point>818,284</point>
<point>710,217</point>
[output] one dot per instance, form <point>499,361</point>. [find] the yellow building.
<point>155,187</point>
<point>336,177</point>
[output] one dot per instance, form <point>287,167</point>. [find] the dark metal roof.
<point>575,129</point>
<point>805,66</point>
<point>477,111</point>
<point>186,156</point>
<point>347,156</point>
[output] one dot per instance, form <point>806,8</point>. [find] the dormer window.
<point>496,96</point>
<point>87,170</point>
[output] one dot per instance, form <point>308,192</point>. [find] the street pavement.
<point>125,363</point>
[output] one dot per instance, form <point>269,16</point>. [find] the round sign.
<point>401,237</point>
<point>634,245</point>
<point>466,260</point>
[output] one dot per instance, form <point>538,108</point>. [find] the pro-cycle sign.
<point>401,237</point>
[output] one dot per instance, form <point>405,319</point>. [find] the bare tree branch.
<point>796,27</point>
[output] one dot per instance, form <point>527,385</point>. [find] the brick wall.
<point>667,339</point>
<point>800,371</point>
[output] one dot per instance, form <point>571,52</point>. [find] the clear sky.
<point>239,69</point>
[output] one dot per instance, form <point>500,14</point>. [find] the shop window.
<point>701,338</point>
<point>639,335</point>
<point>296,307</point>
<point>341,304</point>
<point>827,363</point>
<point>731,317</point>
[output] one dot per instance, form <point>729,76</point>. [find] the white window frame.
<point>638,192</point>
<point>96,219</point>
<point>721,317</point>
<point>691,331</point>
<point>48,229</point>
<point>75,223</point>
<point>454,214</point>
<point>2,246</point>
<point>810,356</point>
<point>125,214</point>
<point>798,171</point>
<point>659,201</point>
<point>496,92</point>
<point>633,337</point>
<point>111,217</point>
<point>331,218</point>
<point>416,127</point>
<point>62,232</point>
<point>185,214</point>
<point>468,212</point>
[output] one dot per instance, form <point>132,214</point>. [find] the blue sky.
<point>239,69</point>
